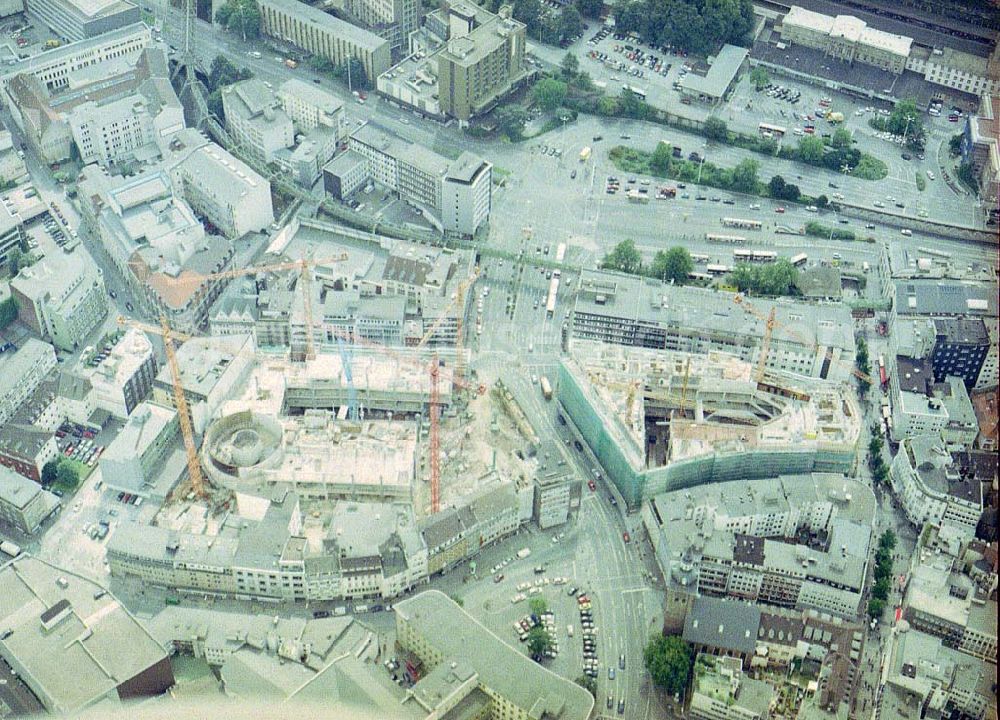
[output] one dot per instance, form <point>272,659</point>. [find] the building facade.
<point>23,503</point>
<point>74,20</point>
<point>846,37</point>
<point>256,120</point>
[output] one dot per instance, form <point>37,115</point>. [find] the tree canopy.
<point>511,120</point>
<point>777,278</point>
<point>49,471</point>
<point>625,257</point>
<point>699,26</point>
<point>590,8</point>
<point>715,128</point>
<point>8,312</point>
<point>223,73</point>
<point>673,264</point>
<point>539,641</point>
<point>240,16</point>
<point>668,660</point>
<point>780,190</point>
<point>67,475</point>
<point>549,93</point>
<point>759,77</point>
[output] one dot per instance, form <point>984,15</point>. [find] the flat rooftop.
<point>326,23</point>
<point>721,73</point>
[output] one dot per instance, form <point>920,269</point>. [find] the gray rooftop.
<point>76,49</point>
<point>325,22</point>
<point>465,168</point>
<point>15,489</point>
<point>724,68</point>
<point>945,297</point>
<point>413,154</point>
<point>14,366</point>
<point>724,624</point>
<point>501,668</point>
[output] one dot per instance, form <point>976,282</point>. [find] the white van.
<point>906,232</point>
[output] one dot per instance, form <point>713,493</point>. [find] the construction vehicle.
<point>585,154</point>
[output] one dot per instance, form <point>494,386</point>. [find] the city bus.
<point>550,303</point>
<point>560,252</point>
<point>768,130</point>
<point>716,269</point>
<point>699,276</point>
<point>799,260</point>
<point>699,259</point>
<point>546,387</point>
<point>754,256</point>
<point>742,223</point>
<point>725,239</point>
<point>641,94</point>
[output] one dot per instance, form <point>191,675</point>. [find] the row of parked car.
<point>782,93</point>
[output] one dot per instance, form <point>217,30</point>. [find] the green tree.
<point>511,120</point>
<point>569,67</point>
<point>240,16</point>
<point>887,540</point>
<point>631,105</point>
<point>352,72</point>
<point>668,660</point>
<point>776,188</point>
<point>590,8</point>
<point>881,589</point>
<point>538,605</point>
<point>659,161</point>
<point>715,128</point>
<point>672,265</point>
<point>608,106</point>
<point>811,150</point>
<point>587,683</point>
<point>967,174</point>
<point>861,352</point>
<point>955,144</point>
<point>322,64</point>
<point>16,260</point>
<point>530,13</point>
<point>822,201</point>
<point>745,176</point>
<point>8,312</point>
<point>222,73</point>
<point>215,106</point>
<point>549,93</point>
<point>875,608</point>
<point>67,475</point>
<point>49,472</point>
<point>570,23</point>
<point>625,257</point>
<point>539,641</point>
<point>842,138</point>
<point>759,77</point>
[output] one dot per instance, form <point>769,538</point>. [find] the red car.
<point>592,485</point>
<point>626,537</point>
<point>779,210</point>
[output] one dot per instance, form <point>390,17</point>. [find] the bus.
<point>641,94</point>
<point>717,269</point>
<point>754,256</point>
<point>725,239</point>
<point>560,252</point>
<point>699,259</point>
<point>768,130</point>
<point>546,388</point>
<point>936,253</point>
<point>585,154</point>
<point>799,260</point>
<point>637,197</point>
<point>550,304</point>
<point>699,276</point>
<point>742,224</point>
<point>883,376</point>
<point>9,548</point>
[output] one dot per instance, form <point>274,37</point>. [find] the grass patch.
<point>819,230</point>
<point>921,183</point>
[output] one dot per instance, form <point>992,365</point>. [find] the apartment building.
<point>23,205</point>
<point>392,20</point>
<point>61,297</point>
<point>256,120</point>
<point>438,632</point>
<point>25,448</point>
<point>846,37</point>
<point>981,148</point>
<point>156,242</point>
<point>324,35</point>
<point>721,691</point>
<point>310,107</point>
<point>54,67</point>
<point>224,190</point>
<point>933,488</point>
<point>80,19</point>
<point>23,503</point>
<point>627,310</point>
<point>122,375</point>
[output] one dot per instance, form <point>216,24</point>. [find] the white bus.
<point>560,252</point>
<point>641,94</point>
<point>799,260</point>
<point>742,223</point>
<point>725,239</point>
<point>699,276</point>
<point>717,269</point>
<point>550,304</point>
<point>754,256</point>
<point>699,259</point>
<point>768,130</point>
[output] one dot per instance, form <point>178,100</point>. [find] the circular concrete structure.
<point>236,445</point>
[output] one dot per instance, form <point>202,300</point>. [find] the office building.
<point>960,348</point>
<point>438,632</point>
<point>122,373</point>
<point>81,19</point>
<point>454,195</point>
<point>211,369</point>
<point>981,148</point>
<point>659,420</point>
<point>807,340</point>
<point>955,69</point>
<point>310,107</point>
<point>73,644</point>
<point>61,297</point>
<point>21,372</point>
<point>23,503</point>
<point>55,67</point>
<point>846,37</point>
<point>933,488</point>
<point>320,33</point>
<point>256,120</point>
<point>130,463</point>
<point>222,189</point>
<point>25,205</point>
<point>921,406</point>
<point>799,542</point>
<point>156,242</point>
<point>556,489</point>
<point>720,691</point>
<point>393,20</point>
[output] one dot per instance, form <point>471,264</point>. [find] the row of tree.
<point>883,574</point>
<point>875,462</point>
<point>671,265</point>
<point>351,72</point>
<point>863,362</point>
<point>241,17</point>
<point>698,26</point>
<point>550,27</point>
<point>60,472</point>
<point>905,119</point>
<point>776,278</point>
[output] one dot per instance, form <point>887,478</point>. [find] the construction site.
<point>663,420</point>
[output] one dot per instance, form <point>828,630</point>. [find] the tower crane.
<point>183,415</point>
<point>352,393</point>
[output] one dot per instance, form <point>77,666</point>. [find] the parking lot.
<point>20,38</point>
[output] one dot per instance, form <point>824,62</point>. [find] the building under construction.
<point>659,420</point>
